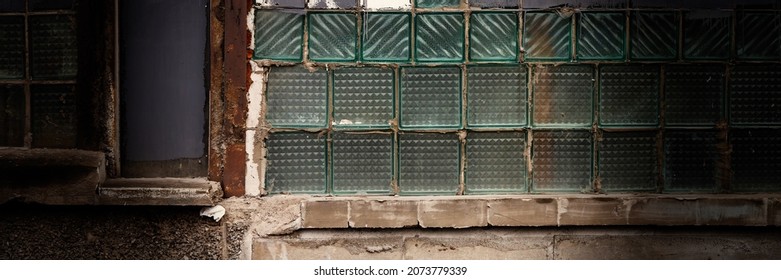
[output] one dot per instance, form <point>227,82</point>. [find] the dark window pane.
<point>12,6</point>
<point>39,5</point>
<point>54,52</point>
<point>11,47</point>
<point>11,116</point>
<point>53,116</point>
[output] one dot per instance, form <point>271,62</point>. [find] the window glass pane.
<point>12,47</point>
<point>12,6</point>
<point>54,116</point>
<point>12,111</point>
<point>38,5</point>
<point>54,47</point>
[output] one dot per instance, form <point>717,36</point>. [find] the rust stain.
<point>235,170</point>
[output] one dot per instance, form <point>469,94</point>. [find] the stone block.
<point>732,212</point>
<point>523,212</point>
<point>453,213</point>
<point>383,214</point>
<point>592,211</point>
<point>324,214</point>
<point>663,211</point>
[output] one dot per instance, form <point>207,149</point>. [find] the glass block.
<point>12,114</point>
<point>493,37</point>
<point>440,37</point>
<point>628,161</point>
<point>54,47</point>
<point>430,97</point>
<point>437,3</point>
<point>547,36</point>
<point>494,3</point>
<point>279,34</point>
<point>12,47</point>
<point>54,116</point>
<point>295,163</point>
<point>561,160</point>
<point>543,4</point>
<point>362,163</point>
<point>363,97</point>
<point>756,160</point>
<point>12,6</point>
<point>755,95</point>
<point>693,94</point>
<point>759,36</point>
<point>495,162</point>
<point>659,4</point>
<point>563,95</point>
<point>691,161</point>
<point>654,35</point>
<point>283,4</point>
<point>601,35</point>
<point>629,95</point>
<point>758,4</point>
<point>496,96</point>
<point>706,34</point>
<point>39,5</point>
<point>387,37</point>
<point>332,4</point>
<point>296,97</point>
<point>332,37</point>
<point>429,163</point>
<point>708,4</point>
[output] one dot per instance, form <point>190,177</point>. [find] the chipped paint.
<point>377,5</point>
<point>252,176</point>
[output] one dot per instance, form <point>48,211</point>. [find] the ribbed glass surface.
<point>693,94</point>
<point>296,163</point>
<point>12,110</point>
<point>332,37</point>
<point>436,3</point>
<point>493,37</point>
<point>628,161</point>
<point>706,34</point>
<point>362,163</point>
<point>430,97</point>
<point>563,95</point>
<point>629,95</point>
<point>12,47</point>
<point>601,35</point>
<point>654,35</point>
<point>494,3</point>
<point>363,97</point>
<point>297,97</point>
<point>690,161</point>
<point>439,37</point>
<point>759,35</point>
<point>54,116</point>
<point>546,36</point>
<point>496,96</point>
<point>429,163</point>
<point>54,50</point>
<point>279,35</point>
<point>561,160</point>
<point>756,159</point>
<point>755,94</point>
<point>495,162</point>
<point>386,37</point>
<point>541,4</point>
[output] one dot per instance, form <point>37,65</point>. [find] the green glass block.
<point>363,97</point>
<point>756,160</point>
<point>759,36</point>
<point>54,47</point>
<point>494,3</point>
<point>295,163</point>
<point>628,161</point>
<point>362,163</point>
<point>12,47</point>
<point>54,116</point>
<point>12,112</point>
<point>430,97</point>
<point>691,161</point>
<point>436,3</point>
<point>279,35</point>
<point>296,97</point>
<point>561,160</point>
<point>629,95</point>
<point>706,34</point>
<point>496,96</point>
<point>693,94</point>
<point>654,35</point>
<point>439,37</point>
<point>387,37</point>
<point>495,162</point>
<point>332,37</point>
<point>493,37</point>
<point>601,36</point>
<point>755,94</point>
<point>563,96</point>
<point>547,36</point>
<point>429,163</point>
<point>546,4</point>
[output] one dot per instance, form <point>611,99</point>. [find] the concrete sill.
<point>159,191</point>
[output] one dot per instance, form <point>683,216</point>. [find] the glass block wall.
<point>435,97</point>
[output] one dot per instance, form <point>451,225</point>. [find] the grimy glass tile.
<point>494,3</point>
<point>693,94</point>
<point>436,3</point>
<point>54,47</point>
<point>495,162</point>
<point>362,163</point>
<point>283,4</point>
<point>756,160</point>
<point>12,114</point>
<point>295,163</point>
<point>387,37</point>
<point>601,35</point>
<point>296,97</point>
<point>12,6</point>
<point>439,37</point>
<point>54,116</point>
<point>706,34</point>
<point>628,161</point>
<point>561,161</point>
<point>363,97</point>
<point>691,161</point>
<point>332,37</point>
<point>279,34</point>
<point>429,163</point>
<point>332,4</point>
<point>430,97</point>
<point>496,96</point>
<point>759,36</point>
<point>543,4</point>
<point>629,95</point>
<point>563,95</point>
<point>11,47</point>
<point>755,94</point>
<point>654,35</point>
<point>547,36</point>
<point>493,37</point>
<point>40,5</point>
